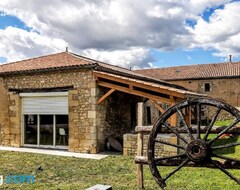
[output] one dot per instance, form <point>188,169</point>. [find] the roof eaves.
<point>140,77</point>
<point>202,78</point>
<point>44,70</point>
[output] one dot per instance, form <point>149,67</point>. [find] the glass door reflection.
<point>46,130</point>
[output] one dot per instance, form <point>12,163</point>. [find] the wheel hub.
<point>197,150</point>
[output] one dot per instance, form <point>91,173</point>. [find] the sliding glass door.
<point>45,119</point>
<point>46,130</point>
<point>31,129</point>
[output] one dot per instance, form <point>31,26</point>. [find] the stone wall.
<point>130,145</point>
<point>82,106</point>
<point>82,121</point>
<point>225,89</point>
<point>115,115</point>
<point>79,79</point>
<point>155,113</point>
<point>5,139</point>
<point>15,119</point>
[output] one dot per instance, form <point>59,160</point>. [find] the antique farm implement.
<point>195,141</point>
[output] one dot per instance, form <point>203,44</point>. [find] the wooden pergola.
<point>153,91</point>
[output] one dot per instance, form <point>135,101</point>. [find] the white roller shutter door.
<point>44,103</point>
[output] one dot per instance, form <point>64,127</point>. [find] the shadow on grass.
<point>226,141</point>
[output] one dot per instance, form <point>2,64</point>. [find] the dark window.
<point>207,87</point>
<point>149,122</point>
<point>133,116</point>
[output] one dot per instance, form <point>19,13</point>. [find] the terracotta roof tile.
<point>216,70</point>
<point>58,60</point>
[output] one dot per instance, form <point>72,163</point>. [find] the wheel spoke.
<point>224,131</point>
<point>175,132</point>
<point>226,146</point>
<point>226,172</point>
<point>198,121</point>
<point>226,158</point>
<point>211,124</point>
<point>178,168</point>
<point>158,160</point>
<point>185,124</point>
<point>170,144</point>
<point>196,148</point>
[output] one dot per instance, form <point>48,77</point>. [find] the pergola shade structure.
<point>154,91</point>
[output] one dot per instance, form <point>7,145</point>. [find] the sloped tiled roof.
<point>201,71</point>
<point>49,62</point>
<point>68,60</point>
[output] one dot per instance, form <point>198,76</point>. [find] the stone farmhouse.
<point>220,80</point>
<point>67,101</point>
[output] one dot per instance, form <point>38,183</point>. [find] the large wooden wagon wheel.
<point>198,145</point>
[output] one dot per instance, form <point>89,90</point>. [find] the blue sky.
<point>8,20</point>
<point>183,57</point>
<point>154,35</point>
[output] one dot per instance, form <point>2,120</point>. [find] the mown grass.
<point>117,171</point>
<point>223,123</point>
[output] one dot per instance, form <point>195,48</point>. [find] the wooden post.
<point>140,166</point>
<point>140,145</point>
<point>174,117</point>
<point>140,113</point>
<point>188,116</point>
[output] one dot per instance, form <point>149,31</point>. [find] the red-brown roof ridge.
<point>46,62</point>
<point>198,71</point>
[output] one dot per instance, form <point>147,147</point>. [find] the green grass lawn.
<point>117,171</point>
<point>223,123</point>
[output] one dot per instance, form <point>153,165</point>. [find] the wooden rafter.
<point>157,106</point>
<point>105,96</point>
<point>143,85</point>
<point>134,92</point>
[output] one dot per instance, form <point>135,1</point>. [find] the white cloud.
<point>221,33</point>
<point>118,31</point>
<point>17,44</point>
<point>133,58</point>
<point>198,6</point>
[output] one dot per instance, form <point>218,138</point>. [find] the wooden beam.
<point>188,116</point>
<point>177,162</point>
<point>105,96</point>
<point>134,92</point>
<point>140,166</point>
<point>140,181</point>
<point>157,106</point>
<point>160,109</point>
<point>174,116</point>
<point>134,82</point>
<point>55,89</point>
<point>203,129</point>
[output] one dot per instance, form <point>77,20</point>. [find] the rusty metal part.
<point>196,147</point>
